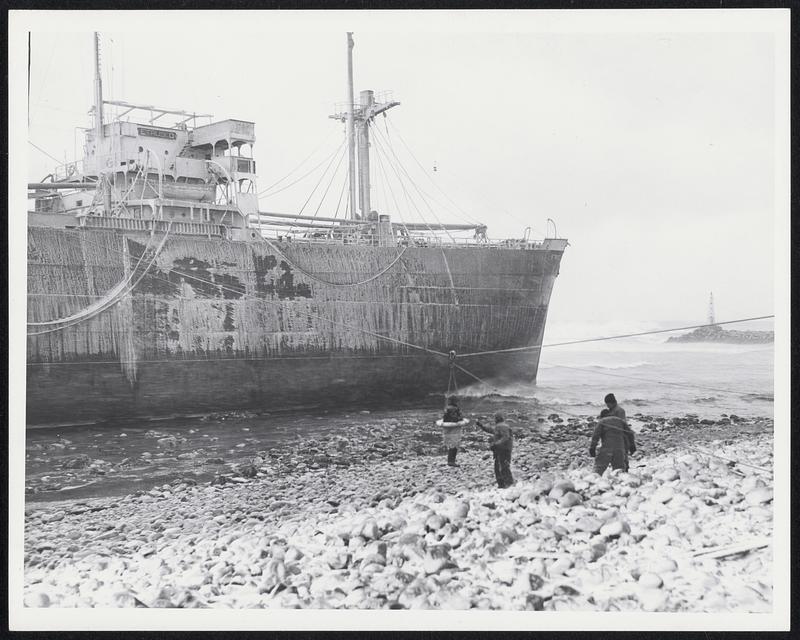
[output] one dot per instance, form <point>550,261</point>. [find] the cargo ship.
<point>157,286</point>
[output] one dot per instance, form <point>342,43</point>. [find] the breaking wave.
<point>636,402</point>
<point>759,396</point>
<point>595,365</point>
<point>622,365</point>
<point>565,402</point>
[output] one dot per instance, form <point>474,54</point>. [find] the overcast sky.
<point>653,152</point>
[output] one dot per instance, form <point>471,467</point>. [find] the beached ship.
<point>157,286</point>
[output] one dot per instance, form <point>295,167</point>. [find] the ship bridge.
<point>151,163</point>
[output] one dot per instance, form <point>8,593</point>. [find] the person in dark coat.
<point>501,446</point>
<point>452,434</point>
<point>613,408</point>
<point>616,442</point>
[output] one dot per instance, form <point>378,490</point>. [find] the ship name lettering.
<point>157,133</point>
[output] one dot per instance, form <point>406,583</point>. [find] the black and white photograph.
<point>399,320</point>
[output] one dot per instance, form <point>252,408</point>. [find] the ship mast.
<point>358,120</point>
<point>104,185</point>
<point>98,90</point>
<point>351,131</point>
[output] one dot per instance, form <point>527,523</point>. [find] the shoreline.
<point>395,527</point>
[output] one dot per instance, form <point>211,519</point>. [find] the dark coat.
<point>503,437</point>
<point>452,414</point>
<point>613,433</point>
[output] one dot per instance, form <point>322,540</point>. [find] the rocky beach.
<point>364,513</point>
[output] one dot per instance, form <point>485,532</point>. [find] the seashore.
<point>373,518</point>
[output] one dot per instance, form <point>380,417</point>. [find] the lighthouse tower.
<point>711,320</point>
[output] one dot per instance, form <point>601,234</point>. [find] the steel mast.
<point>351,130</point>
<point>358,118</point>
<point>98,90</point>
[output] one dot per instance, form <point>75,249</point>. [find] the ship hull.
<point>211,325</point>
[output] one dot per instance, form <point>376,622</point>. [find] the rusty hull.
<point>218,325</point>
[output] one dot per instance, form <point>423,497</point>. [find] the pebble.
<point>759,495</point>
<point>409,533</point>
<point>650,580</point>
<point>36,599</point>
<point>590,524</point>
<point>653,599</point>
<point>569,499</point>
<point>663,565</point>
<point>614,528</point>
<point>504,571</point>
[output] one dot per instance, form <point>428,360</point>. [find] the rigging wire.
<point>624,335</point>
<point>46,71</point>
<point>333,177</point>
<point>399,135</point>
<point>411,345</point>
<point>316,186</point>
<point>422,194</point>
<point>674,384</point>
<point>305,175</point>
<point>35,146</point>
<point>306,159</point>
<point>401,342</point>
<point>388,182</point>
<point>409,200</point>
<point>428,175</point>
<point>339,201</point>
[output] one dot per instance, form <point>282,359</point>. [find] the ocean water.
<point>650,376</point>
<point>647,375</point>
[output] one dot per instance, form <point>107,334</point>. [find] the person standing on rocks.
<point>501,446</point>
<point>613,408</point>
<point>616,441</point>
<point>451,423</point>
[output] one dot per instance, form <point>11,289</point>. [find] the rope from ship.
<point>112,293</point>
<point>327,282</point>
<point>433,351</point>
<point>452,384</point>
<point>736,462</point>
<point>674,384</point>
<point>244,294</point>
<point>99,307</point>
<point>617,337</point>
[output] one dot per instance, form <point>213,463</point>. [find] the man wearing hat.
<point>615,437</point>
<point>613,408</point>
<point>501,446</point>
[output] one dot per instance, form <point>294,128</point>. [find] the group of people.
<point>612,432</point>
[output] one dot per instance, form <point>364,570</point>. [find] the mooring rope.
<point>97,308</point>
<point>623,335</point>
<point>112,293</point>
<point>327,282</point>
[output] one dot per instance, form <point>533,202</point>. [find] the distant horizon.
<point>658,167</point>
